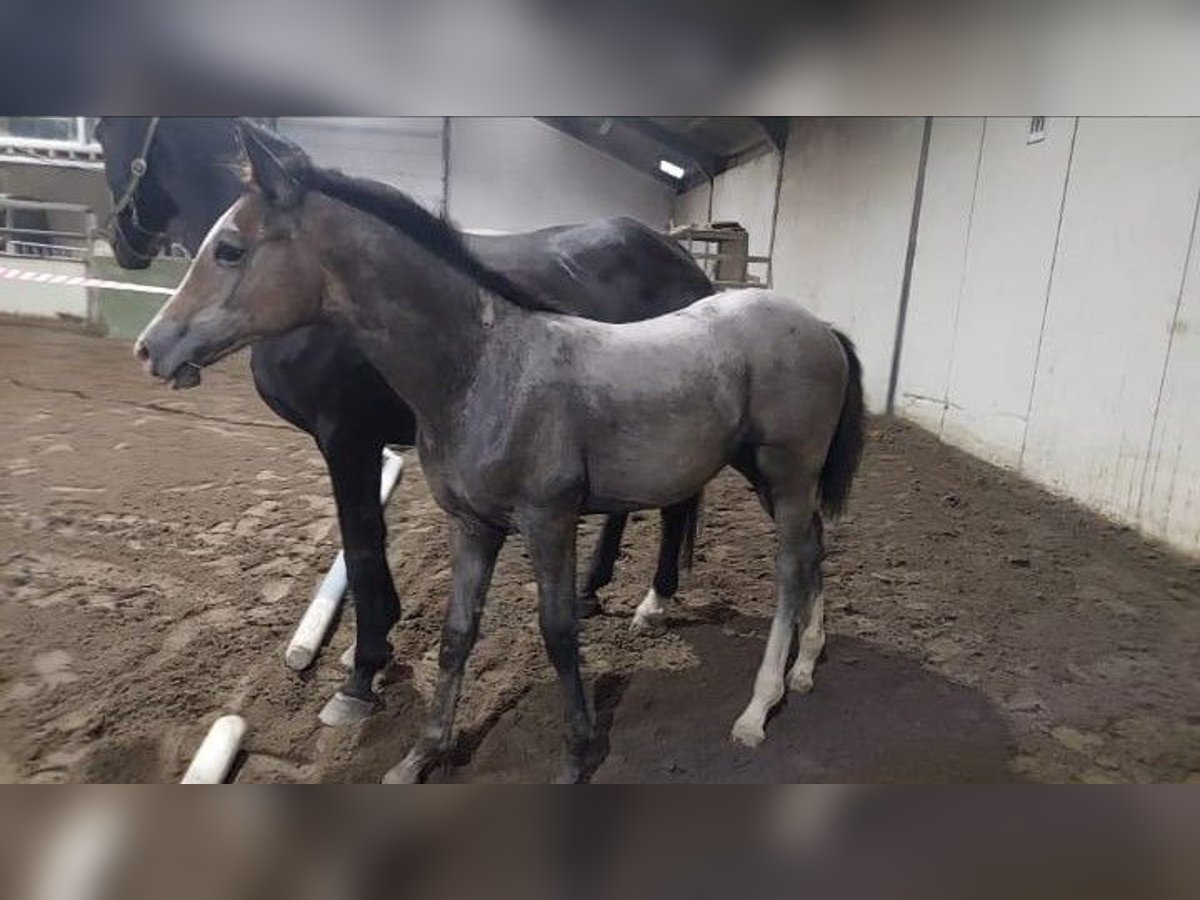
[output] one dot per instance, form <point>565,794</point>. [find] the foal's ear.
<point>277,166</point>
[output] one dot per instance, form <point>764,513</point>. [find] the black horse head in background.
<point>156,167</point>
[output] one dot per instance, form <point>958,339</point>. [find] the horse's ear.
<point>277,166</point>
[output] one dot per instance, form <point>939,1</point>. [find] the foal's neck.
<point>422,324</point>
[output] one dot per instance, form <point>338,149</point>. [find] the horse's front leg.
<point>551,542</point>
<point>475,549</point>
<point>355,463</point>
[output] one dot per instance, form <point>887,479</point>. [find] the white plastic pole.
<point>212,761</point>
<point>310,632</point>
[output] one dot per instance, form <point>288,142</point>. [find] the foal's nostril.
<point>141,352</point>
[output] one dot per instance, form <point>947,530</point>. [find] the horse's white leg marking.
<point>650,611</point>
<point>812,642</point>
<point>768,684</point>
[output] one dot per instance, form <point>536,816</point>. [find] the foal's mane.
<point>431,232</point>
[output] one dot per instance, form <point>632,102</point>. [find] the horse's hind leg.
<point>675,523</point>
<point>475,551</point>
<point>600,573</point>
<point>792,494</point>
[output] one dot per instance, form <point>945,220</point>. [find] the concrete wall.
<point>743,194</point>
<point>504,174</point>
<point>1102,426</point>
<point>691,207</point>
<point>980,281</point>
<point>1048,327</point>
<point>845,205</point>
<point>841,228</point>
<point>518,174</point>
<point>405,152</point>
<point>1052,317</point>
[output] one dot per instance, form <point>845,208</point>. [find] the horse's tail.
<point>691,529</point>
<point>845,451</point>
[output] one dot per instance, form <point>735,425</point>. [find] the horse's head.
<point>256,273</point>
<point>141,208</point>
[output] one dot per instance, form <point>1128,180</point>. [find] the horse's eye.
<point>229,254</point>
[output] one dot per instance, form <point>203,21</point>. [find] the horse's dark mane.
<point>433,233</point>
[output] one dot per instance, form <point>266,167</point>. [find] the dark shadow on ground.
<point>874,716</point>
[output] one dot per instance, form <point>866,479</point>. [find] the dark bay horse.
<point>529,418</point>
<point>177,176</point>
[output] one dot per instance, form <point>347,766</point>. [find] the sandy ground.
<point>156,549</point>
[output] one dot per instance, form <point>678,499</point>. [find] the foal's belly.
<point>655,467</point>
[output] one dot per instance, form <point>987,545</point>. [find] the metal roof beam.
<point>707,161</point>
<point>776,130</point>
<point>578,129</point>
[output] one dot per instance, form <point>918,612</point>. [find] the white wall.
<point>518,174</point>
<point>977,314</point>
<point>1112,320</point>
<point>1052,324</point>
<point>937,278</point>
<point>405,152</point>
<point>845,206</point>
<point>691,207</point>
<point>746,194</point>
<point>505,174</point>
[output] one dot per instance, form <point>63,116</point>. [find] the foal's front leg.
<point>475,549</point>
<point>551,542</point>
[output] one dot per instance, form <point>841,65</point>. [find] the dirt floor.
<point>157,548</point>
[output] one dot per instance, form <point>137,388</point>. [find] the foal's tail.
<point>845,451</point>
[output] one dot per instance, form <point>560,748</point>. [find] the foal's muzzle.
<point>165,351</point>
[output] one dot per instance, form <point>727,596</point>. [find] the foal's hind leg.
<point>653,608</point>
<point>792,492</point>
<point>812,631</point>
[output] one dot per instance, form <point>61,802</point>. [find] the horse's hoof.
<point>343,710</point>
<point>587,606</point>
<point>651,614</point>
<point>748,732</point>
<point>648,624</point>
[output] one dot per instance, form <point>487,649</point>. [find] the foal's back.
<point>659,406</point>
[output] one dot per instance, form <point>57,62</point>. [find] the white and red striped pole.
<point>49,278</point>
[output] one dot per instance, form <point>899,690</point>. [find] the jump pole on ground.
<point>213,760</point>
<point>310,632</point>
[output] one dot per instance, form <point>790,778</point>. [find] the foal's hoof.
<point>801,682</point>
<point>748,732</point>
<point>342,710</point>
<point>570,775</point>
<point>410,770</point>
<point>347,658</point>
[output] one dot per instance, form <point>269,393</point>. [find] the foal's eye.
<point>228,253</point>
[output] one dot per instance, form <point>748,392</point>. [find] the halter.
<point>137,171</point>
